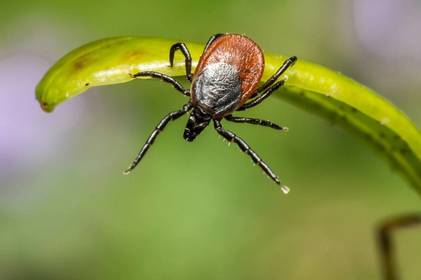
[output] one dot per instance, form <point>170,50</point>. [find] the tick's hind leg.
<point>259,99</point>
<point>183,48</point>
<point>386,246</point>
<point>211,39</point>
<point>288,63</point>
<point>163,77</point>
<point>265,123</point>
<point>160,127</point>
<point>270,85</point>
<point>231,137</point>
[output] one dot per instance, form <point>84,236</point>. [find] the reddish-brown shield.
<point>242,53</point>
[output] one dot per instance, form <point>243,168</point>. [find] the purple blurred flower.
<point>389,27</point>
<point>28,136</point>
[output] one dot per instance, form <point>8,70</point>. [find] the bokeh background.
<point>199,210</point>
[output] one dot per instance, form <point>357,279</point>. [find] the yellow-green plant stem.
<point>310,86</point>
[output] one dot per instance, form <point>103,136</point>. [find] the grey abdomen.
<point>217,89</point>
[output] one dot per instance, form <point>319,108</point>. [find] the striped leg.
<point>231,137</point>
<point>259,99</point>
<point>183,48</point>
<point>163,77</point>
<point>265,123</point>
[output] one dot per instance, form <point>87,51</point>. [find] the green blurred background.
<point>199,210</point>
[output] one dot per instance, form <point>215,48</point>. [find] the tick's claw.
<point>285,189</point>
<point>127,171</point>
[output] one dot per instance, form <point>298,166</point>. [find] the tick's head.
<point>198,120</point>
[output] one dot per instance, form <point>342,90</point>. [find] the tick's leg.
<point>270,124</point>
<point>183,48</point>
<point>270,85</point>
<point>257,100</point>
<point>231,137</point>
<point>386,246</point>
<point>288,63</point>
<point>160,127</point>
<point>164,78</point>
<point>211,39</point>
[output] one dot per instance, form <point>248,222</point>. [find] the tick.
<point>226,80</point>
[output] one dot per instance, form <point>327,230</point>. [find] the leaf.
<point>310,86</point>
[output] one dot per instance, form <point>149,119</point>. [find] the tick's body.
<point>227,74</point>
<point>226,77</point>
